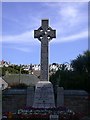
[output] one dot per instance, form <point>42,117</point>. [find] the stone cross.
<point>44,35</point>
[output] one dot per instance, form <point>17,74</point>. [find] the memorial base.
<point>44,95</point>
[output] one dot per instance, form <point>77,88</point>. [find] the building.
<point>3,84</point>
<point>28,79</point>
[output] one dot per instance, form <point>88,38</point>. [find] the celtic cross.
<point>44,35</point>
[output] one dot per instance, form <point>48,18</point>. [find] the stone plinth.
<point>44,95</point>
<point>30,96</point>
<point>60,96</point>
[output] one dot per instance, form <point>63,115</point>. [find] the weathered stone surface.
<point>44,35</point>
<point>60,96</point>
<point>16,99</point>
<point>30,96</point>
<point>44,96</point>
<point>0,103</point>
<point>77,100</point>
<point>13,99</point>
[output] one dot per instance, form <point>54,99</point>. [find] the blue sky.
<point>20,19</point>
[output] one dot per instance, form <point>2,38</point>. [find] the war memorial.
<point>44,95</point>
<point>39,103</point>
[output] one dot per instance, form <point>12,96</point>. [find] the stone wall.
<point>0,103</point>
<point>77,100</point>
<point>77,103</point>
<point>14,99</point>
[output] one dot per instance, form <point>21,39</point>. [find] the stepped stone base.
<point>44,95</point>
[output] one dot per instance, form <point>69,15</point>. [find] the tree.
<point>81,68</point>
<point>78,77</point>
<point>82,63</point>
<point>13,69</point>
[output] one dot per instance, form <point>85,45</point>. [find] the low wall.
<point>77,103</point>
<point>13,99</point>
<point>0,104</point>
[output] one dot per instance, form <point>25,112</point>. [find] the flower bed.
<point>44,114</point>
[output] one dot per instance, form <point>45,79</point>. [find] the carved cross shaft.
<point>44,34</point>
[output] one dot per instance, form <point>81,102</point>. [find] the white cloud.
<point>73,37</point>
<point>23,49</point>
<point>73,14</point>
<point>69,13</point>
<point>45,0</point>
<point>72,17</point>
<point>27,37</point>
<point>19,47</point>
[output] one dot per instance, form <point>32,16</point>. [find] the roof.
<point>3,84</point>
<point>27,79</point>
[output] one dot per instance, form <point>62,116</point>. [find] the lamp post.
<point>20,74</point>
